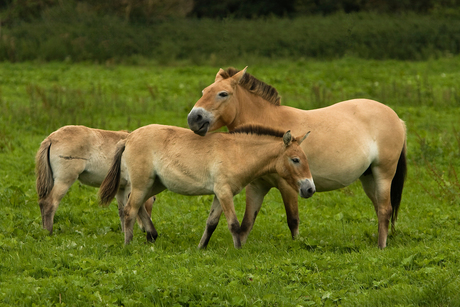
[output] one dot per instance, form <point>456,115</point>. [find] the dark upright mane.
<point>258,130</point>
<point>255,86</point>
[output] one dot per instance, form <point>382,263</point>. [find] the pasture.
<point>335,260</point>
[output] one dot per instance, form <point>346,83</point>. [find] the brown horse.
<point>355,139</point>
<point>161,157</point>
<point>71,153</point>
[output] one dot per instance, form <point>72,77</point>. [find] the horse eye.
<point>295,160</point>
<point>223,94</point>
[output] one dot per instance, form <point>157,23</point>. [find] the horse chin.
<point>305,194</point>
<point>203,129</point>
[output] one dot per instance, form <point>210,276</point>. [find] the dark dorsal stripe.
<point>255,86</point>
<point>258,130</point>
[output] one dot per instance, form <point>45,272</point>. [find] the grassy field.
<point>334,262</point>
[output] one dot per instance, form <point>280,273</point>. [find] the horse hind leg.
<point>49,205</point>
<point>378,188</point>
<point>134,208</point>
<point>148,205</point>
<point>122,198</point>
<point>146,222</point>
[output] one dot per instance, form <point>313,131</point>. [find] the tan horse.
<point>355,139</point>
<point>71,153</point>
<point>165,157</point>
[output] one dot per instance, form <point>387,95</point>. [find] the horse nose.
<point>198,122</point>
<point>307,189</point>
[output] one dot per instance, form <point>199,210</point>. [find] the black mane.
<point>255,86</point>
<point>258,130</point>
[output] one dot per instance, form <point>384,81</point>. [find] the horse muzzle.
<point>199,121</point>
<point>307,188</point>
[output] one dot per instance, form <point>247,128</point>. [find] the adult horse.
<point>71,153</point>
<point>161,157</point>
<point>355,139</point>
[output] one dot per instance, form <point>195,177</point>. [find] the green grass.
<point>335,261</point>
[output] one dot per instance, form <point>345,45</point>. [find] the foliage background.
<point>206,32</point>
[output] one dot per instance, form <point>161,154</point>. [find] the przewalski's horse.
<point>355,139</point>
<point>71,153</point>
<point>161,157</point>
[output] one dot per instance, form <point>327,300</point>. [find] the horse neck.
<point>256,155</point>
<point>253,109</point>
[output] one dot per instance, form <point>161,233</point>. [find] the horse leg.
<point>211,222</point>
<point>255,193</point>
<point>149,228</point>
<point>225,197</point>
<point>377,188</point>
<point>122,198</point>
<point>148,205</point>
<point>290,200</point>
<point>131,210</point>
<point>49,205</point>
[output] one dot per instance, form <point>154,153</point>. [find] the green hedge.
<point>65,34</point>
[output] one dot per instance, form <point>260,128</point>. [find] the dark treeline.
<point>151,10</point>
<point>225,30</point>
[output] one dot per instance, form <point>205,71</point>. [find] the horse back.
<point>178,157</point>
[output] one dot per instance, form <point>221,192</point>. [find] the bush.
<point>79,34</point>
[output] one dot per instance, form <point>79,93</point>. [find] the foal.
<point>161,157</point>
<point>71,153</point>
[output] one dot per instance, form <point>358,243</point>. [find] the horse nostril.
<point>311,191</point>
<point>199,117</point>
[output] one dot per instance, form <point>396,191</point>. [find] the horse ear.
<point>219,75</point>
<point>238,76</point>
<point>304,137</point>
<point>287,138</point>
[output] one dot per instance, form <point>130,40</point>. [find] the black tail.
<point>109,187</point>
<point>43,171</point>
<point>397,185</point>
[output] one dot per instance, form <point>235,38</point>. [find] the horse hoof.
<point>151,237</point>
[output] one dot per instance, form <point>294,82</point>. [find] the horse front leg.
<point>225,197</point>
<point>211,222</point>
<point>255,193</point>
<point>290,200</point>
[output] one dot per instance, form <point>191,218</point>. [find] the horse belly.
<point>186,186</point>
<point>340,170</point>
<point>95,171</point>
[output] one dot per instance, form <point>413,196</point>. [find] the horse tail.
<point>43,170</point>
<point>397,185</point>
<point>109,187</point>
